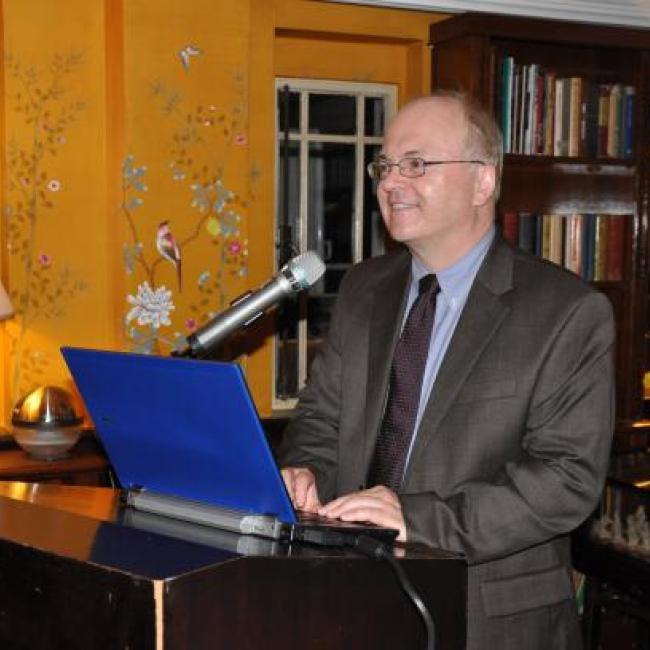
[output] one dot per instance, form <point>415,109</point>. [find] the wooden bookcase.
<point>468,52</point>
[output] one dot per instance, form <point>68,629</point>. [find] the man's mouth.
<point>402,206</point>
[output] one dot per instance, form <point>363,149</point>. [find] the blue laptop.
<point>185,441</point>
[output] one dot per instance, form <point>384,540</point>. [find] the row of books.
<point>542,113</point>
<point>590,245</point>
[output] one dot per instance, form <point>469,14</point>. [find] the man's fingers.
<point>301,486</point>
<point>377,493</point>
<point>367,507</point>
<point>312,502</point>
<point>303,482</point>
<point>379,506</point>
<point>288,477</point>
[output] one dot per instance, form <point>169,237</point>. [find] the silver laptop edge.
<point>206,514</point>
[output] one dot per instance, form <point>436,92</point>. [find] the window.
<point>327,133</point>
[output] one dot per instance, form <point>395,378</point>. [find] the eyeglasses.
<point>409,167</point>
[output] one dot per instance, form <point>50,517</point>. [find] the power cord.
<point>378,551</point>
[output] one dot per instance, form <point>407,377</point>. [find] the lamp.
<point>6,309</point>
<point>45,423</point>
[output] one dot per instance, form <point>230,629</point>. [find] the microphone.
<point>297,274</point>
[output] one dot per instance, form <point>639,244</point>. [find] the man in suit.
<point>514,412</point>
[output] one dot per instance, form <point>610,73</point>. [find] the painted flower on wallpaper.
<point>234,247</point>
<point>151,306</point>
<point>44,291</point>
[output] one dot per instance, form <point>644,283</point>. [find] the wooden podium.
<point>78,571</point>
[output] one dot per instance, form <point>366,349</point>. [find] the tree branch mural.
<point>44,286</point>
<point>200,142</point>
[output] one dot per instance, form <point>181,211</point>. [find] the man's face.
<point>436,214</point>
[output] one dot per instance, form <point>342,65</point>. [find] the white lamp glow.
<point>6,308</point>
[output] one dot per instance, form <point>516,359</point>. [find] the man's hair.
<point>483,134</point>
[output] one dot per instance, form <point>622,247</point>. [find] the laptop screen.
<point>181,427</point>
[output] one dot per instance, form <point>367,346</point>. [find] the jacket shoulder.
<point>374,270</point>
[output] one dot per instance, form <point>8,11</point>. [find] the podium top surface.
<point>89,524</point>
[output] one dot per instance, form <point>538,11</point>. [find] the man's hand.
<point>301,486</point>
<point>378,505</point>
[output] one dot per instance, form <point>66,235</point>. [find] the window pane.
<point>319,311</point>
<point>333,277</point>
<point>331,201</point>
<point>288,199</point>
<point>374,233</point>
<point>374,116</point>
<point>332,114</point>
<point>330,229</point>
<point>288,109</point>
<point>288,313</point>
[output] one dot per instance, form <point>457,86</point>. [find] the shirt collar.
<point>455,281</point>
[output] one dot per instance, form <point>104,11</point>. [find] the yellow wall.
<point>134,113</point>
<point>58,266</point>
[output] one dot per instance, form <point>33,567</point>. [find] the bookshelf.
<point>572,100</point>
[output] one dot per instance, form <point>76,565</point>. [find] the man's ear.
<point>485,184</point>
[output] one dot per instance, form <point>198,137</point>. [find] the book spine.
<point>510,227</point>
<point>613,125</point>
<point>557,236</point>
<point>600,248</point>
<point>531,113</point>
<point>566,116</point>
<point>591,120</point>
<point>539,235</point>
<point>573,244</point>
<point>527,232</point>
<point>515,117</point>
<point>603,119</point>
<point>547,220</point>
<point>614,246</point>
<point>549,113</point>
<point>575,113</point>
<point>559,113</point>
<point>628,122</point>
<point>506,103</point>
<point>540,87</point>
<point>588,243</point>
<point>524,109</point>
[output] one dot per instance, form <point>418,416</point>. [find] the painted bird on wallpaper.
<point>168,248</point>
<point>187,52</point>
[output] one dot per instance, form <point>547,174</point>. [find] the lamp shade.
<point>6,308</point>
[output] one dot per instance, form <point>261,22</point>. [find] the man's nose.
<point>392,179</point>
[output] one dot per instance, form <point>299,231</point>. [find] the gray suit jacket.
<point>512,450</point>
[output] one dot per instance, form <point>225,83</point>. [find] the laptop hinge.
<point>209,515</point>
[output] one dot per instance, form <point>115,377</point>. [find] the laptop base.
<point>311,529</point>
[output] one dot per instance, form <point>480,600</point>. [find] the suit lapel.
<point>386,317</point>
<point>483,313</point>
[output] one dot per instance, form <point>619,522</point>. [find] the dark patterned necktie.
<point>409,360</point>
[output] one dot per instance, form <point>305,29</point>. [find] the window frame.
<point>361,91</point>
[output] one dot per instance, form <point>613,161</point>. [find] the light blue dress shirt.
<point>455,283</point>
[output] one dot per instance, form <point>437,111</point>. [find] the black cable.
<point>375,549</point>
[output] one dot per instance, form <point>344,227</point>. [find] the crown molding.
<point>634,13</point>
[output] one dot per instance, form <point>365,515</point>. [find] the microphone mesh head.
<point>306,268</point>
